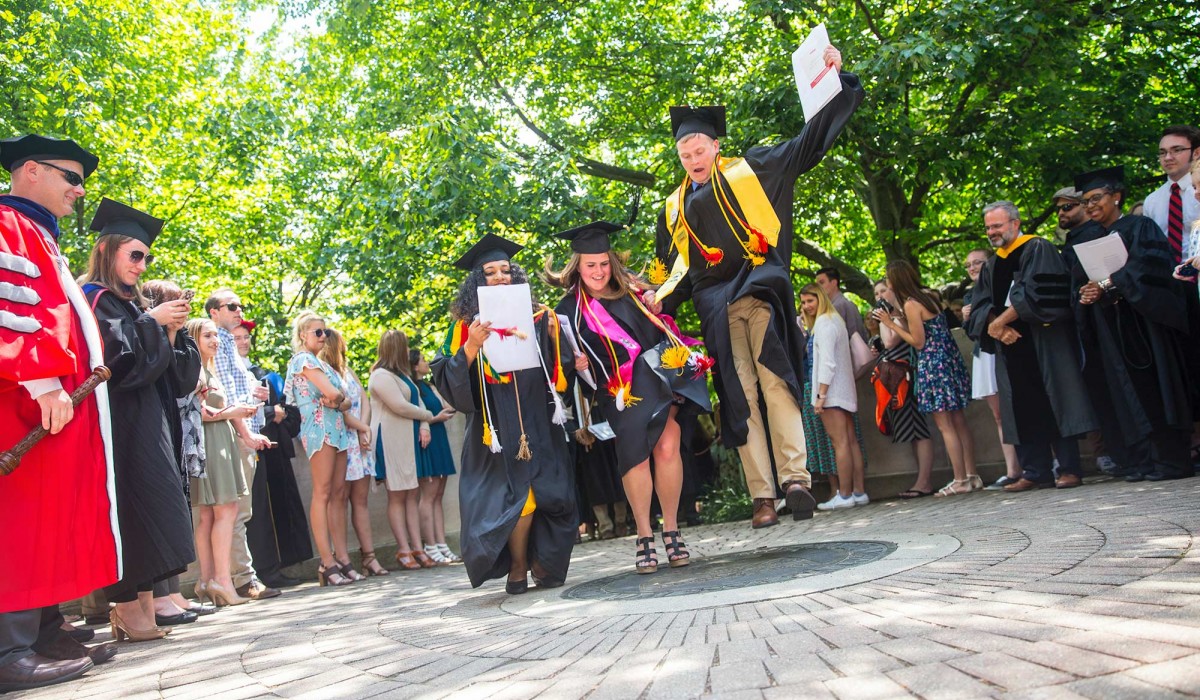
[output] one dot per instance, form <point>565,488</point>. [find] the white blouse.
<point>832,363</point>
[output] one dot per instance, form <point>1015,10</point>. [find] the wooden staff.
<point>10,460</point>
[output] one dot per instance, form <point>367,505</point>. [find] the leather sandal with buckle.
<point>646,561</point>
<point>677,553</point>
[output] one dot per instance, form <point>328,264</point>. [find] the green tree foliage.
<point>341,160</point>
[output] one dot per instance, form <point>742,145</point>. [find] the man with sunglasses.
<point>58,521</point>
<point>225,309</point>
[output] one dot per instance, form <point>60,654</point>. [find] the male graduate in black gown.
<point>1025,289</point>
<point>1132,332</point>
<point>726,236</point>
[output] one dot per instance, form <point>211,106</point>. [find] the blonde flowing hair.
<point>300,327</point>
<point>102,269</point>
<point>824,305</point>
<point>334,352</point>
<point>194,327</point>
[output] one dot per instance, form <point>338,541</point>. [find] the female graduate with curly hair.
<point>517,486</point>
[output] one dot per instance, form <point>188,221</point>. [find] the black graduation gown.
<point>493,487</point>
<point>286,511</point>
<point>1132,337</point>
<point>639,426</point>
<point>148,375</point>
<point>713,288</point>
<point>1041,389</point>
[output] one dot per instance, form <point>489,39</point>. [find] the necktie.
<point>1175,222</point>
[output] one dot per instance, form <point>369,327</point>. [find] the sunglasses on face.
<point>73,179</point>
<point>136,256</point>
<point>235,307</point>
<point>1067,207</point>
<point>323,332</point>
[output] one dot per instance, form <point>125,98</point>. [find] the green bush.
<point>728,500</point>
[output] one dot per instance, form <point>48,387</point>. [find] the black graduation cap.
<point>19,149</point>
<point>709,121</point>
<point>591,238</point>
<point>113,217</point>
<point>488,249</point>
<point>1104,177</point>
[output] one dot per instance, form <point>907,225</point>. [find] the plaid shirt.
<point>235,378</point>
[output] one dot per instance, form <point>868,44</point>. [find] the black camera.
<point>876,344</point>
<point>883,304</point>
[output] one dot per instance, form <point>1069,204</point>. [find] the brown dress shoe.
<point>35,671</point>
<point>1068,481</point>
<point>255,590</point>
<point>799,500</point>
<point>764,513</point>
<point>64,648</point>
<point>1023,484</point>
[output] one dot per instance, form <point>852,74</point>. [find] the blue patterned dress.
<point>943,383</point>
<point>820,450</point>
<point>319,425</point>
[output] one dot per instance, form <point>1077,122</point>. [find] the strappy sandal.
<point>677,553</point>
<point>331,576</point>
<point>963,486</point>
<point>423,559</point>
<point>349,572</point>
<point>448,554</point>
<point>646,561</point>
<point>405,560</point>
<point>975,482</point>
<point>371,565</point>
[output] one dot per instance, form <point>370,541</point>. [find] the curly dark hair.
<point>466,304</point>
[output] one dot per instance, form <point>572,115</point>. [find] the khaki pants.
<point>749,321</point>
<point>241,564</point>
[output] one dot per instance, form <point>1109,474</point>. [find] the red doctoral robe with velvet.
<point>58,530</point>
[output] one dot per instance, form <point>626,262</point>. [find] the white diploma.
<point>817,82</point>
<point>569,333</point>
<point>510,309</point>
<point>1102,257</point>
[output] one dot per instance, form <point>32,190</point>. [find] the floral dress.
<point>820,450</point>
<point>319,425</point>
<point>942,380</point>
<point>359,462</point>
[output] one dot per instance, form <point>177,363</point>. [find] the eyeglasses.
<point>73,179</point>
<point>1174,151</point>
<point>235,307</point>
<point>1067,207</point>
<point>136,256</point>
<point>1095,199</point>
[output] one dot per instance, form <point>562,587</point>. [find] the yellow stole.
<point>750,196</point>
<point>1005,251</point>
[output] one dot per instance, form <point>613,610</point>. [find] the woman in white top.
<point>834,397</point>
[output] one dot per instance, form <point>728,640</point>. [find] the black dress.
<point>637,427</point>
<point>493,486</point>
<point>148,375</point>
<point>277,500</point>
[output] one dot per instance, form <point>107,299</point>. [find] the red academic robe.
<point>58,528</point>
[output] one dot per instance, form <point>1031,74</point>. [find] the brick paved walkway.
<point>1089,593</point>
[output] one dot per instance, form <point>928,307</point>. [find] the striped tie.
<point>1175,222</point>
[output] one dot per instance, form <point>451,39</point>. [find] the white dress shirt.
<point>1159,202</point>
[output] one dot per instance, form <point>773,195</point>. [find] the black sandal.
<point>677,553</point>
<point>646,561</point>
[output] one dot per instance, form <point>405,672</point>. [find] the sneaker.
<point>1000,483</point>
<point>860,499</point>
<point>1106,464</point>
<point>836,502</point>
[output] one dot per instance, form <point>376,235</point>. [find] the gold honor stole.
<point>1007,250</point>
<point>750,196</point>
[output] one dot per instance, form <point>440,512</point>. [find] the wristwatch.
<point>1105,284</point>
